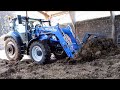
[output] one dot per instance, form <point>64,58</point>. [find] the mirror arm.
<point>19,19</point>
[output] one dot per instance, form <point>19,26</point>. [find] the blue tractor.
<point>37,38</point>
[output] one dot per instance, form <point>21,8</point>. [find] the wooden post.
<point>72,16</point>
<point>45,14</point>
<point>26,28</point>
<point>113,26</point>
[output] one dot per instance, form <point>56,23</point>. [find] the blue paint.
<point>54,34</point>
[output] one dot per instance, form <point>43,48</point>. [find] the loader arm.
<point>87,36</point>
<point>71,50</point>
<point>63,42</point>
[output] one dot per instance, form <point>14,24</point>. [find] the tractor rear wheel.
<point>40,52</point>
<point>13,50</point>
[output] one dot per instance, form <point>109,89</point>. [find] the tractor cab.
<point>28,27</point>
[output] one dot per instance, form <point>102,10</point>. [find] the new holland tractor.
<point>37,38</point>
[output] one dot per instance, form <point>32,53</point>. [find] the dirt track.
<point>104,68</point>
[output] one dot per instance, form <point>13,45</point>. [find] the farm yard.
<point>99,58</point>
<point>105,67</point>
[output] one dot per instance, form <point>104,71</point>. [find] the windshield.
<point>46,24</point>
<point>33,23</point>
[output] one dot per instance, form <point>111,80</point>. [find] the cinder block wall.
<point>101,26</point>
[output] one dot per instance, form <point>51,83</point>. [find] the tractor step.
<point>23,48</point>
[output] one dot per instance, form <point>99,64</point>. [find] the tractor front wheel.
<point>39,52</point>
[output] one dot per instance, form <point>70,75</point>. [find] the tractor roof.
<point>24,18</point>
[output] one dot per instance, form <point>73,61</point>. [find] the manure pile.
<point>96,48</point>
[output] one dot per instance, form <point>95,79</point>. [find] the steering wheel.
<point>38,25</point>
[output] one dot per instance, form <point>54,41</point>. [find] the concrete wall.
<point>101,26</point>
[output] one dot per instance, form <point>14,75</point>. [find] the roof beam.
<point>48,16</point>
<point>45,14</point>
<point>59,13</point>
<point>72,17</point>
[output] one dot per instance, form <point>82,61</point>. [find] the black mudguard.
<point>29,43</point>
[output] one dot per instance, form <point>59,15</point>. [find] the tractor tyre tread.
<point>18,55</point>
<point>46,49</point>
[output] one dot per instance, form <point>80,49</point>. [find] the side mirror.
<point>49,23</point>
<point>19,19</point>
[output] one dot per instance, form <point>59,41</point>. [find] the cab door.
<point>20,28</point>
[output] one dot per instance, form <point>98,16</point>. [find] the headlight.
<point>54,37</point>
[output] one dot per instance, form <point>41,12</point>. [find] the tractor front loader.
<point>37,38</point>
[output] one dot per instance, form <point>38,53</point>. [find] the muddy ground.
<point>107,67</point>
